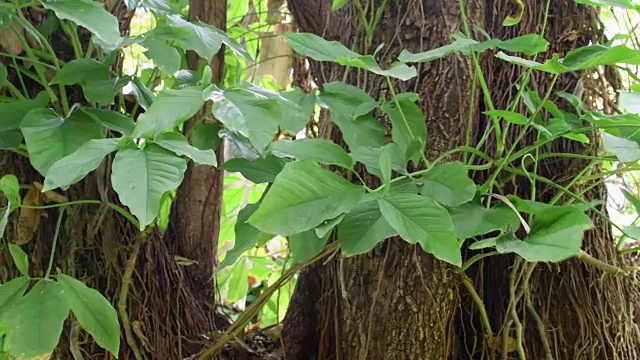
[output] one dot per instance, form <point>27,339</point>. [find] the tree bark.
<point>397,302</point>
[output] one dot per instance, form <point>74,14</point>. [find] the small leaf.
<point>142,176</point>
<point>448,184</point>
<point>328,225</point>
<point>556,234</point>
<point>50,137</point>
<point>460,44</point>
<point>338,4</point>
<point>385,165</point>
<point>473,219</point>
<point>515,19</point>
<point>90,15</point>
<point>370,158</point>
<point>320,150</point>
<point>75,166</point>
<point>94,313</point>
<point>302,197</point>
<point>363,228</point>
<point>530,44</point>
<point>35,322</point>
<point>141,92</point>
<point>20,258</point>
<point>306,245</point>
<point>421,220</point>
<point>509,116</point>
<point>408,125</point>
<point>258,171</point>
<point>80,71</point>
<point>10,187</point>
<point>179,144</point>
<point>11,292</point>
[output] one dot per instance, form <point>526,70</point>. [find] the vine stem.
<point>55,243</point>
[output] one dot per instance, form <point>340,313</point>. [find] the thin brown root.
<point>541,330</point>
<point>74,341</point>
<point>124,293</point>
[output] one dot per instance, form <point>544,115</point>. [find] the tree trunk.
<point>399,303</point>
<point>166,310</point>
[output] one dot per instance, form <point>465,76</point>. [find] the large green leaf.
<point>94,313</point>
<point>320,150</point>
<point>408,125</point>
<point>625,150</point>
<point>259,170</point>
<point>302,197</point>
<point>306,245</point>
<point>166,57</point>
<point>448,184</point>
<point>34,324</point>
<point>142,176</point>
<point>74,167</point>
<point>170,109</point>
<point>50,137</point>
<point>179,144</point>
<point>88,14</point>
<point>556,234</point>
<point>20,258</point>
<point>421,220</point>
<point>363,228</point>
<point>473,219</point>
<point>79,71</point>
<point>255,118</point>
<point>103,92</point>
<point>11,292</point>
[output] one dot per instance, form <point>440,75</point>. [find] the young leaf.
<point>338,4</point>
<point>448,184</point>
<point>142,176</point>
<point>90,15</point>
<point>11,292</point>
<point>179,144</point>
<point>363,228</point>
<point>302,197</point>
<point>20,258</point>
<point>556,234</point>
<point>260,170</point>
<point>50,137</point>
<point>170,109</point>
<point>80,71</point>
<point>421,220</point>
<point>75,166</point>
<point>256,119</point>
<point>34,323</point>
<point>408,124</point>
<point>320,150</point>
<point>94,313</point>
<point>306,245</point>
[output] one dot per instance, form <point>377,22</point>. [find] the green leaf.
<point>80,71</point>
<point>370,158</point>
<point>626,4</point>
<point>246,237</point>
<point>448,184</point>
<point>294,122</point>
<point>363,228</point>
<point>166,57</point>
<point>205,136</point>
<point>473,219</point>
<point>170,109</point>
<point>625,150</point>
<point>90,15</point>
<point>260,170</point>
<point>35,322</point>
<point>197,36</point>
<point>385,165</point>
<point>367,62</point>
<point>346,100</point>
<point>11,292</point>
<point>50,137</point>
<point>328,225</point>
<point>240,146</point>
<point>421,220</point>
<point>94,313</point>
<point>317,48</point>
<point>408,124</point>
<point>509,116</point>
<point>556,234</point>
<point>74,167</point>
<point>512,20</point>
<point>530,44</point>
<point>461,43</point>
<point>10,187</point>
<point>302,197</point>
<point>179,144</point>
<point>338,4</point>
<point>112,120</point>
<point>103,92</point>
<point>12,114</point>
<point>20,258</point>
<point>142,176</point>
<point>4,219</point>
<point>256,119</point>
<point>141,92</point>
<point>306,245</point>
<point>633,200</point>
<point>320,150</point>
<point>234,280</point>
<point>10,139</point>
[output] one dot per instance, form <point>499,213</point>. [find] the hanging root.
<point>124,293</point>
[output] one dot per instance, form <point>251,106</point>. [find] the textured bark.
<point>396,302</point>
